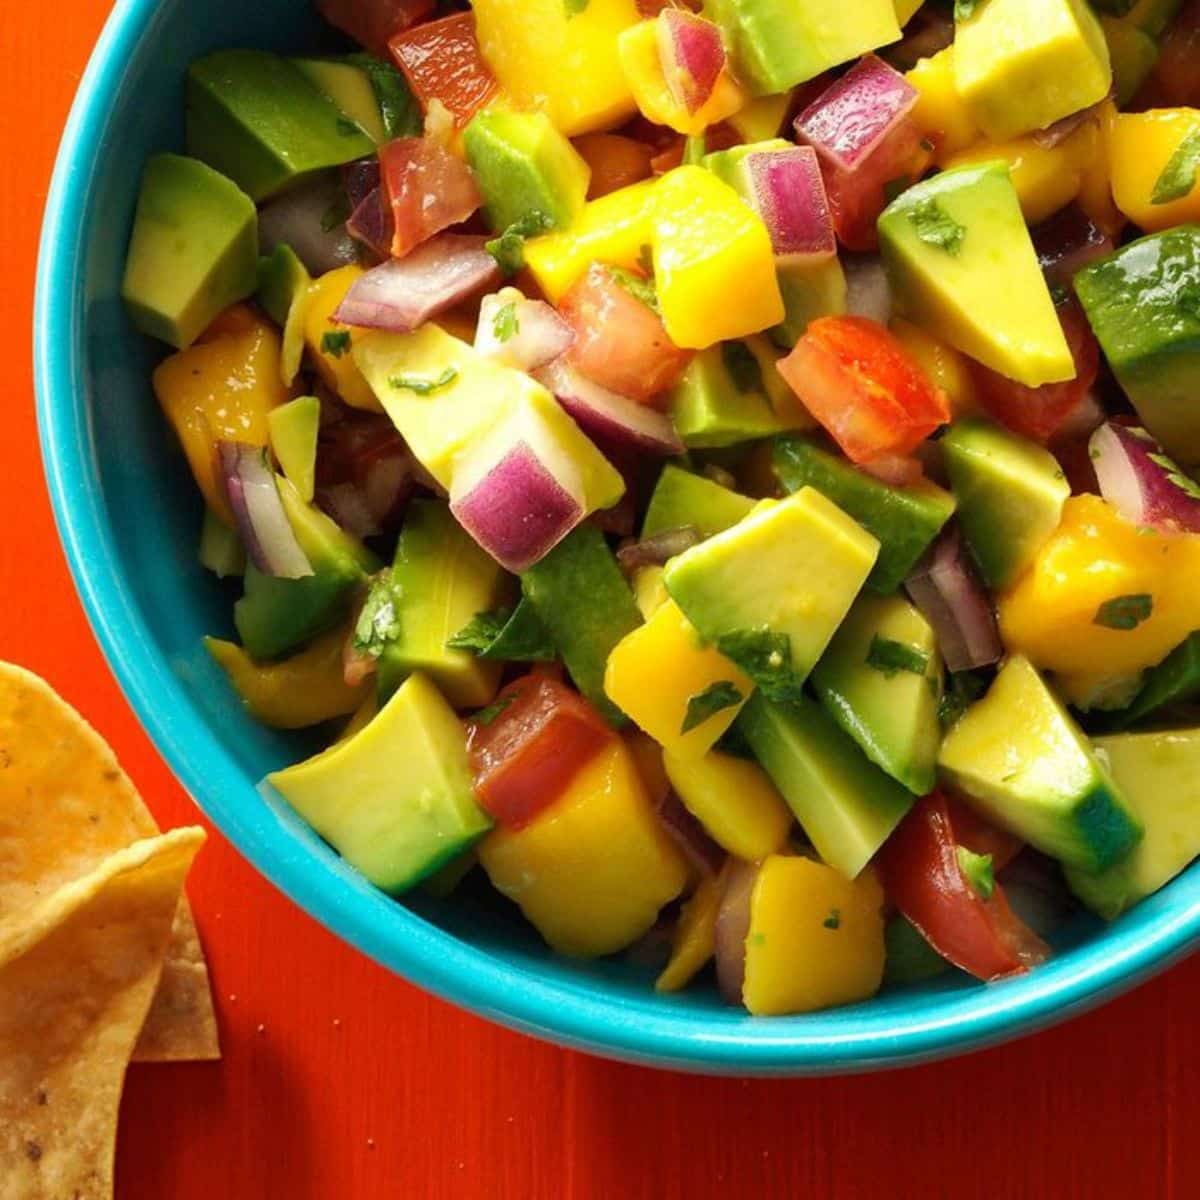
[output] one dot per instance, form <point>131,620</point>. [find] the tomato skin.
<point>865,388</point>
<point>921,875</point>
<point>615,161</point>
<point>524,758</point>
<point>620,342</point>
<point>427,189</point>
<point>441,61</point>
<point>372,22</point>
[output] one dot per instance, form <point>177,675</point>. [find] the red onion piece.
<point>371,224</point>
<point>692,55</point>
<point>262,522</point>
<point>868,291</point>
<point>612,419</point>
<point>1067,242</point>
<point>620,519</point>
<point>300,218</point>
<point>360,178</point>
<point>947,590</point>
<point>733,927</point>
<point>658,549</point>
<point>529,336</point>
<point>1057,133</point>
<point>402,294</point>
<point>789,194</point>
<point>1139,480</point>
<point>928,32</point>
<point>690,836</point>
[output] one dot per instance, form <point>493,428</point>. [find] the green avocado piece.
<point>275,616</point>
<point>255,117</point>
<point>681,498</point>
<point>294,428</point>
<point>442,580</point>
<point>221,550</point>
<point>1154,16</point>
<point>771,591</point>
<point>722,399</point>
<point>1176,680</point>
<point>395,800</point>
<point>1133,53</point>
<point>1159,774</point>
<point>193,252</point>
<point>881,681</point>
<point>961,262</point>
<point>909,957</point>
<point>581,597</point>
<point>846,805</point>
<point>1010,494</point>
<point>523,166</point>
<point>398,108</point>
<point>1019,758</point>
<point>904,520</point>
<point>522,638</point>
<point>1144,304</point>
<point>281,278</point>
<point>776,44</point>
<point>349,87</point>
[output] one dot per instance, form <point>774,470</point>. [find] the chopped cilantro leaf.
<point>480,631</point>
<point>714,699</point>
<point>485,716</point>
<point>1175,475</point>
<point>509,248</point>
<point>506,324</point>
<point>639,288</point>
<point>423,387</point>
<point>978,871</point>
<point>965,687</point>
<point>936,227</point>
<point>964,10</point>
<point>336,342</point>
<point>834,920</point>
<point>767,658</point>
<point>744,369</point>
<point>1179,175</point>
<point>890,657</point>
<point>505,635</point>
<point>378,624</point>
<point>1124,612</point>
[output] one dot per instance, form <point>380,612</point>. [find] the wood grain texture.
<point>343,1083</point>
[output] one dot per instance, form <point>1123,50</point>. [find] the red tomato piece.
<point>922,876</point>
<point>865,388</point>
<point>1039,413</point>
<point>524,757</point>
<point>441,61</point>
<point>982,837</point>
<point>372,22</point>
<point>1175,82</point>
<point>615,161</point>
<point>620,341</point>
<point>427,188</point>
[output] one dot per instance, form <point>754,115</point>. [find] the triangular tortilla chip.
<point>66,806</point>
<point>77,974</point>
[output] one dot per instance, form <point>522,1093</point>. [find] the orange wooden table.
<point>341,1082</point>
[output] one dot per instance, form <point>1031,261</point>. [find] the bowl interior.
<point>130,518</point>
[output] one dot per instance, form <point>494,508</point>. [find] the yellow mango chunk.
<point>940,112</point>
<point>734,800</point>
<point>649,591</point>
<point>944,365</point>
<point>695,939</point>
<point>613,229</point>
<point>1095,190</point>
<point>655,672</point>
<point>222,387</point>
<point>1141,145</point>
<point>592,871</point>
<point>1095,556</point>
<point>815,940</point>
<point>303,690</point>
<point>559,59</point>
<point>331,356</point>
<point>638,50</point>
<point>708,243</point>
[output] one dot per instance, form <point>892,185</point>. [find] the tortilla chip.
<point>78,972</point>
<point>65,807</point>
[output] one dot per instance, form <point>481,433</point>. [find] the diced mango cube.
<point>327,339</point>
<point>940,112</point>
<point>695,939</point>
<point>649,591</point>
<point>1095,190</point>
<point>1141,147</point>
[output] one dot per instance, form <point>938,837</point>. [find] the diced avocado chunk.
<point>349,87</point>
<point>1144,304</point>
<point>524,166</point>
<point>846,805</point>
<point>281,278</point>
<point>1019,758</point>
<point>881,681</point>
<point>1010,495</point>
<point>1133,53</point>
<point>777,44</point>
<point>277,615</point>
<point>722,399</point>
<point>581,597</point>
<point>294,428</point>
<point>904,520</point>
<point>1176,680</point>
<point>396,800</point>
<point>1159,775</point>
<point>681,498</point>
<point>194,249</point>
<point>1021,65</point>
<point>522,638</point>
<point>441,580</point>
<point>253,116</point>
<point>910,958</point>
<point>221,550</point>
<point>961,262</point>
<point>771,591</point>
<point>1154,16</point>
<point>398,108</point>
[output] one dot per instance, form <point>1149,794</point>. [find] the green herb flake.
<point>378,625</point>
<point>1179,175</point>
<point>506,324</point>
<point>1124,612</point>
<point>834,920</point>
<point>743,368</point>
<point>964,10</point>
<point>714,699</point>
<point>480,632</point>
<point>509,248</point>
<point>646,261</point>
<point>485,716</point>
<point>936,227</point>
<point>424,387</point>
<point>964,688</point>
<point>767,658</point>
<point>336,342</point>
<point>978,871</point>
<point>1175,475</point>
<point>574,7</point>
<point>639,288</point>
<point>889,657</point>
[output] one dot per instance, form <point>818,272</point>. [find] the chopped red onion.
<point>360,178</point>
<point>658,549</point>
<point>789,194</point>
<point>620,519</point>
<point>1057,133</point>
<point>692,54</point>
<point>404,293</point>
<point>371,224</point>
<point>947,590</point>
<point>868,291</point>
<point>520,333</point>
<point>733,927</point>
<point>348,507</point>
<point>1067,242</point>
<point>307,218</point>
<point>1139,480</point>
<point>690,836</point>
<point>253,496</point>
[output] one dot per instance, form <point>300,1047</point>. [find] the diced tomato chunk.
<point>864,387</point>
<point>620,341</point>
<point>525,756</point>
<point>1039,413</point>
<point>427,189</point>
<point>372,23</point>
<point>921,874</point>
<point>441,61</point>
<point>615,161</point>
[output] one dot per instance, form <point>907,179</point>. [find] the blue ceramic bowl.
<point>129,517</point>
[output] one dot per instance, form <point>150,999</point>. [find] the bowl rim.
<point>457,971</point>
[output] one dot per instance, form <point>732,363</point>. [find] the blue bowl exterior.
<point>128,517</point>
